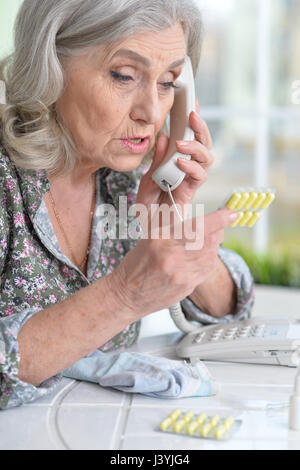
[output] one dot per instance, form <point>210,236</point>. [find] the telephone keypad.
<point>231,333</point>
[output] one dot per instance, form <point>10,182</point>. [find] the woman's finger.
<point>198,152</point>
<point>201,130</point>
<point>194,170</point>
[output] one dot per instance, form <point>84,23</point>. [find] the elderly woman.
<point>86,78</point>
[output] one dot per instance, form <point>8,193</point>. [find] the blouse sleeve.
<point>13,391</point>
<point>243,280</point>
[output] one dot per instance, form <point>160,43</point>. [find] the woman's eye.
<point>122,78</point>
<point>169,85</point>
<point>126,78</point>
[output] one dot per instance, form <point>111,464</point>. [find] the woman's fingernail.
<point>233,217</point>
<point>182,143</point>
<point>183,160</point>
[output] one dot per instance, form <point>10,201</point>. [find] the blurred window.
<point>249,66</point>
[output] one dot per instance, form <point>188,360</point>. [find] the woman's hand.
<point>195,169</point>
<point>157,273</point>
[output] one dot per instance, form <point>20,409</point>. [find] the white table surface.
<point>80,415</point>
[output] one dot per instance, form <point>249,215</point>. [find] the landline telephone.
<point>256,341</point>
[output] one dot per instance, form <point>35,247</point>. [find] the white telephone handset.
<point>168,172</point>
<point>169,176</point>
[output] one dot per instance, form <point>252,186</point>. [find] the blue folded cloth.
<point>141,373</point>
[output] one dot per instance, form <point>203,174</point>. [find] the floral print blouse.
<point>35,273</point>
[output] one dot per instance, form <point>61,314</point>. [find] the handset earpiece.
<point>168,175</point>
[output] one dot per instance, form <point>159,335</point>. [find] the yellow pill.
<point>205,430</point>
<point>228,422</point>
<point>191,427</point>
<point>237,220</point>
<point>165,424</point>
<point>201,418</point>
<point>233,201</point>
<point>242,201</point>
<point>188,416</point>
<point>269,198</point>
<point>175,414</point>
<point>220,431</point>
<point>214,421</point>
<point>247,215</point>
<point>253,219</point>
<point>259,200</point>
<point>179,425</point>
<point>250,200</point>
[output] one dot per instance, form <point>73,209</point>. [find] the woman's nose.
<point>147,107</point>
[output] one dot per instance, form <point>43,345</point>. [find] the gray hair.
<point>46,32</point>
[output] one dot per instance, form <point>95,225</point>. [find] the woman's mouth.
<point>136,145</point>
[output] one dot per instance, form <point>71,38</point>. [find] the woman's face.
<point>121,92</point>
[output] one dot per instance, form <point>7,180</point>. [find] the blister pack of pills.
<point>249,203</point>
<point>203,426</point>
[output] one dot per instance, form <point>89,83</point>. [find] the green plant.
<point>275,267</point>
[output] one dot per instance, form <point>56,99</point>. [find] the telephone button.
<point>199,338</point>
<point>259,330</point>
<point>258,333</point>
<point>245,329</point>
<point>228,335</point>
<point>232,330</point>
<point>242,334</point>
<point>216,334</point>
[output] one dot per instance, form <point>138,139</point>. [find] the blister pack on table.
<point>201,425</point>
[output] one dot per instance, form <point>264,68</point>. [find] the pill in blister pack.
<point>249,203</point>
<point>199,425</point>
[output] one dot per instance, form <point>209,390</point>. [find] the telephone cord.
<point>175,310</point>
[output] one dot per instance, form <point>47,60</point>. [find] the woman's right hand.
<point>158,273</point>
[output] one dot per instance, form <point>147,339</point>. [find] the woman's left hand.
<point>195,168</point>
